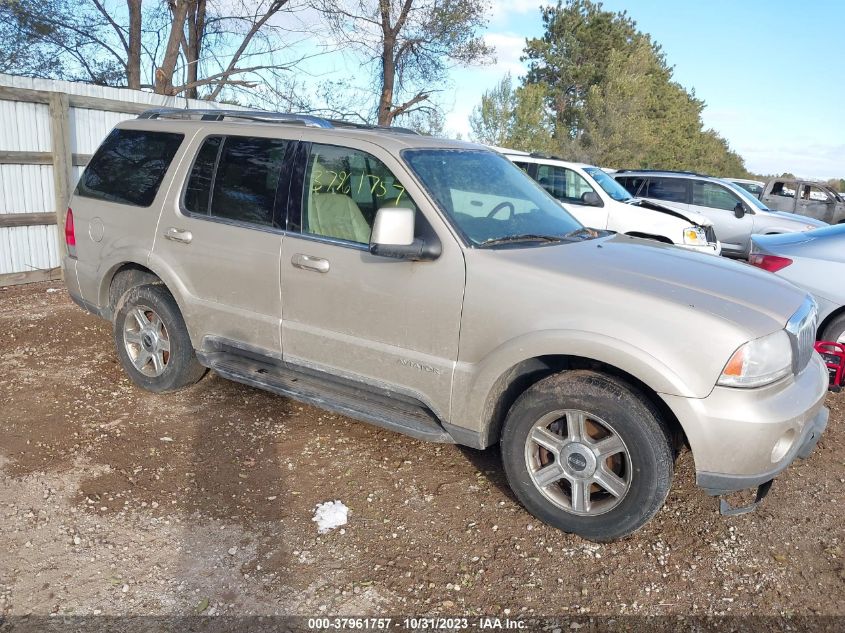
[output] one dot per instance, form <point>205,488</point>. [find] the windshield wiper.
<point>528,237</point>
<point>583,233</point>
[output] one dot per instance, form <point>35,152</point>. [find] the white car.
<point>599,202</point>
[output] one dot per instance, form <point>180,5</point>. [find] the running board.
<point>340,396</point>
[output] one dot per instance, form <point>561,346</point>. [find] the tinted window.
<point>198,190</point>
<point>564,184</point>
<point>246,179</point>
<point>708,194</point>
<point>344,188</point>
<point>632,184</point>
<point>669,189</point>
<point>129,167</point>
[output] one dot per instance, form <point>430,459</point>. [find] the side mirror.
<point>739,210</point>
<point>591,199</point>
<point>393,236</point>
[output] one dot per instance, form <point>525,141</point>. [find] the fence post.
<point>62,160</point>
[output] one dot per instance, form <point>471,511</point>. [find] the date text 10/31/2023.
<point>416,623</point>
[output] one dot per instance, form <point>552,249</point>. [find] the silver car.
<point>814,261</point>
<point>736,213</point>
<point>431,287</point>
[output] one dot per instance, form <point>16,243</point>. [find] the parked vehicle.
<point>598,201</point>
<point>814,261</point>
<point>735,213</point>
<point>806,197</point>
<point>754,187</point>
<point>431,287</point>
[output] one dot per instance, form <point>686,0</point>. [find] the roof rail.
<point>546,156</point>
<point>663,171</point>
<point>251,115</point>
<point>261,116</point>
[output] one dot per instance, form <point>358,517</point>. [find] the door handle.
<point>178,235</point>
<point>307,262</point>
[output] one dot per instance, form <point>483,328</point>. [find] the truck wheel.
<point>152,341</point>
<point>835,330</point>
<point>586,453</point>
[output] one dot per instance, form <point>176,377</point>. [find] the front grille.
<point>710,234</point>
<point>802,332</point>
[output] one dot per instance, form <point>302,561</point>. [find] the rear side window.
<point>669,189</point>
<point>129,167</point>
<point>235,178</point>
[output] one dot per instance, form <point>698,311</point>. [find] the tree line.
<point>597,88</point>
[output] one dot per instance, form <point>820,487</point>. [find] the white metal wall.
<point>29,188</point>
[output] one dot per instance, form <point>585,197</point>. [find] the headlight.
<point>759,362</point>
<point>694,236</point>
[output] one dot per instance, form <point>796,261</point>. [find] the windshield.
<point>747,196</point>
<point>752,187</point>
<point>611,187</point>
<point>490,199</point>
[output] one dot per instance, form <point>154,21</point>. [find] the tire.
<point>835,330</point>
<point>617,421</point>
<point>148,325</point>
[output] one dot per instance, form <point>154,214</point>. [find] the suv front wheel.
<point>586,453</point>
<point>152,340</point>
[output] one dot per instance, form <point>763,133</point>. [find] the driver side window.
<point>563,184</point>
<point>344,188</point>
<point>708,194</point>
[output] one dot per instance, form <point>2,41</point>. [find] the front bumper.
<point>712,248</point>
<point>741,438</point>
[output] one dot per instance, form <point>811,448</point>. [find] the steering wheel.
<point>501,206</point>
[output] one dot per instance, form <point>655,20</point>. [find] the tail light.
<point>70,234</point>
<point>772,263</point>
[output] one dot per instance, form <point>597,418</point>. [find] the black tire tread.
<point>183,368</point>
<point>619,522</point>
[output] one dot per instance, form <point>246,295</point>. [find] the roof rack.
<point>261,116</point>
<point>546,156</point>
<point>663,171</point>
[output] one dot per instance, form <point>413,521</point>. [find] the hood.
<point>754,300</point>
<point>795,218</point>
<point>666,207</point>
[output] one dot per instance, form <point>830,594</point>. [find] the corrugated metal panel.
<point>29,188</point>
<point>26,248</point>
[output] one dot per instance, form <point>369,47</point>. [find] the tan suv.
<point>431,287</point>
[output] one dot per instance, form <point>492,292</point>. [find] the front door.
<point>221,236</point>
<point>393,324</point>
<point>569,188</point>
<point>817,203</point>
<point>720,204</point>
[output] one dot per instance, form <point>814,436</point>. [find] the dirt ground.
<point>115,501</point>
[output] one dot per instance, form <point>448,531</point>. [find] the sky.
<point>770,72</point>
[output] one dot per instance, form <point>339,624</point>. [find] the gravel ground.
<point>115,501</point>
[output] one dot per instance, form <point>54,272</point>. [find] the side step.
<point>334,394</point>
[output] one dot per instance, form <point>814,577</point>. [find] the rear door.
<point>390,323</point>
<point>221,236</point>
<point>719,203</point>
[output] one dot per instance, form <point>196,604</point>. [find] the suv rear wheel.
<point>586,453</point>
<point>152,341</point>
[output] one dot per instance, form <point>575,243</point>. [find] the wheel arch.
<point>830,318</point>
<point>523,375</point>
